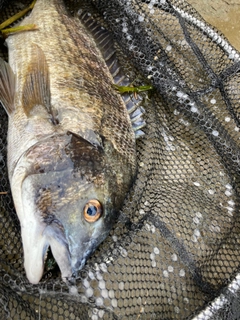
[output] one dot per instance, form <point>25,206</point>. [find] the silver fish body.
<point>71,146</point>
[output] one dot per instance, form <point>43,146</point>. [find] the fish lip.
<point>52,236</point>
<point>54,233</point>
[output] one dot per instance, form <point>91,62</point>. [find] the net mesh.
<point>174,251</point>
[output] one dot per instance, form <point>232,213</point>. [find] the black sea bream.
<point>71,145</point>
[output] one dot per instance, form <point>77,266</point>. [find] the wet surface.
<point>222,14</point>
<point>176,244</point>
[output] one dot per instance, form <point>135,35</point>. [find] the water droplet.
<point>99,301</point>
<point>170,269</point>
<point>194,109</point>
<point>194,238</point>
<point>180,94</point>
<point>101,313</point>
<point>115,238</point>
<point>104,293</point>
<point>199,215</point>
<point>174,257</point>
<point>228,193</point>
<point>153,229</point>
<point>165,273</point>
<point>182,273</point>
<point>111,294</point>
<point>121,285</point>
<point>91,275</point>
<point>99,275</point>
<point>86,283</point>
<point>176,309</point>
<point>89,292</point>
<point>152,256</point>
<point>114,303</point>
<point>231,203</point>
<point>186,300</point>
<point>103,267</point>
<point>213,101</point>
<point>197,184</point>
<point>123,252</point>
<point>196,220</point>
<point>102,284</point>
<point>197,233</point>
<point>210,191</point>
<point>154,263</point>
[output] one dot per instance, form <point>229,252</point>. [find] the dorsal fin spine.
<point>104,41</point>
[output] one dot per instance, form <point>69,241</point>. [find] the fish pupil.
<point>91,211</point>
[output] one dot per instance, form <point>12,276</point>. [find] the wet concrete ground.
<point>222,14</point>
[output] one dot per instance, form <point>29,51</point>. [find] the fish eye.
<point>92,210</point>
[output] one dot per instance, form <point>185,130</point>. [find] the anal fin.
<point>36,89</point>
<point>7,86</point>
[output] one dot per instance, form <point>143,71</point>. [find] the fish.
<point>71,143</point>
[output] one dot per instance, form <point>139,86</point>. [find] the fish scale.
<point>72,58</point>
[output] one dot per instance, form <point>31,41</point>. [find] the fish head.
<point>87,224</point>
<point>87,217</point>
<point>73,194</point>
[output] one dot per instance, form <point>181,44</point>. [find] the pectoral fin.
<point>7,86</point>
<point>89,136</point>
<point>36,89</point>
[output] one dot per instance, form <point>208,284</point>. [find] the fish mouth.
<point>36,247</point>
<point>60,249</point>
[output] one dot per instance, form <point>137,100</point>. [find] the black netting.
<point>174,251</point>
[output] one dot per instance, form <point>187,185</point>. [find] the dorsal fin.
<point>36,89</point>
<point>105,43</point>
<point>7,86</point>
